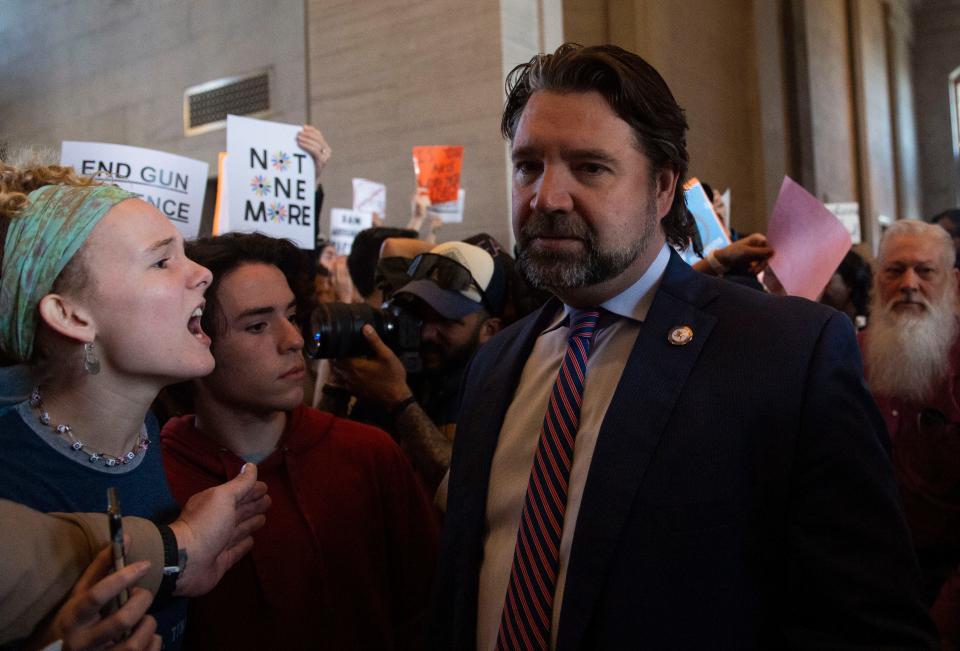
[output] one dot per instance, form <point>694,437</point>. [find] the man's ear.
<point>489,328</point>
<point>666,187</point>
<point>67,318</point>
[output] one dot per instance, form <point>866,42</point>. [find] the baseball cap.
<point>456,279</point>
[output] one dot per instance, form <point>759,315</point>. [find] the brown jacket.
<point>44,555</point>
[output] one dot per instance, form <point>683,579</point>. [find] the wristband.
<point>718,267</point>
<point>402,407</point>
<point>173,562</point>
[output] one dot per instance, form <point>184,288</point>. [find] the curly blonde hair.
<point>16,183</point>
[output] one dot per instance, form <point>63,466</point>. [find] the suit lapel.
<point>653,377</point>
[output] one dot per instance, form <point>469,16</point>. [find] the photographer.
<point>457,291</point>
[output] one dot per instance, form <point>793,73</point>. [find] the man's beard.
<point>571,270</point>
<point>907,355</point>
<point>443,360</point>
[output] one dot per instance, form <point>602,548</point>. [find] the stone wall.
<point>115,71</point>
<point>936,56</point>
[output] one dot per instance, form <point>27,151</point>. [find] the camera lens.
<point>336,330</point>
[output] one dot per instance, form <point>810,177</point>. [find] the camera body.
<point>336,332</point>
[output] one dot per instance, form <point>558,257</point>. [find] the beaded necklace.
<point>64,430</point>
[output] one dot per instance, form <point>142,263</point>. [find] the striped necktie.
<point>528,608</point>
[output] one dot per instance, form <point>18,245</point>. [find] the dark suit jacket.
<point>740,495</point>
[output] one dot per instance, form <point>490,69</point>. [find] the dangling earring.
<point>90,362</point>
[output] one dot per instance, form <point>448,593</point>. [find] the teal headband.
<point>41,240</point>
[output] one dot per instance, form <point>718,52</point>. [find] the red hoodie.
<point>928,478</point>
<point>346,557</point>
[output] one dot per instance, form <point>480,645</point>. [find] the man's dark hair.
<point>224,253</point>
<point>362,261</point>
<point>953,214</point>
<point>521,299</point>
<point>634,90</point>
<point>858,277</point>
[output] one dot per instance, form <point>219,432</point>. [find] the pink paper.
<point>808,240</point>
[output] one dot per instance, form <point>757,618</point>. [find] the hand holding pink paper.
<point>808,240</point>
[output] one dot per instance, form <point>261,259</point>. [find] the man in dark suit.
<point>658,459</point>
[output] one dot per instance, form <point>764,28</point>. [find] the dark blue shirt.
<point>42,472</point>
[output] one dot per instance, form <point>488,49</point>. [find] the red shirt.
<point>926,464</point>
<point>346,558</point>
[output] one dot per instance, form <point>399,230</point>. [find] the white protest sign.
<point>344,226</point>
<point>849,215</point>
<point>451,212</point>
<point>271,181</point>
<point>173,184</point>
<point>370,196</point>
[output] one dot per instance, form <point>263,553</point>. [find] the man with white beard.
<point>912,355</point>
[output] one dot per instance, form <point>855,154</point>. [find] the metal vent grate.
<point>205,107</point>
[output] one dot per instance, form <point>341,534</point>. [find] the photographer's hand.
<point>381,379</point>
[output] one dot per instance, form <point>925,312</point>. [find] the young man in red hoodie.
<point>346,558</point>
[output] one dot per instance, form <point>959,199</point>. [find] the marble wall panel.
<point>875,125</point>
<point>706,52</point>
<point>828,86</point>
<point>900,42</point>
<point>387,75</point>
<point>936,56</point>
<point>116,71</point>
<point>776,112</point>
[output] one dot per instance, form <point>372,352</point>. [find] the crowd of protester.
<point>277,500</point>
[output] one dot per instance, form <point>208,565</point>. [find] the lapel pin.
<point>680,335</point>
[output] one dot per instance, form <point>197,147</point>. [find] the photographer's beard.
<point>552,269</point>
<point>908,354</point>
<point>449,359</point>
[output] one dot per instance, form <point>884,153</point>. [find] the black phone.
<point>116,538</point>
